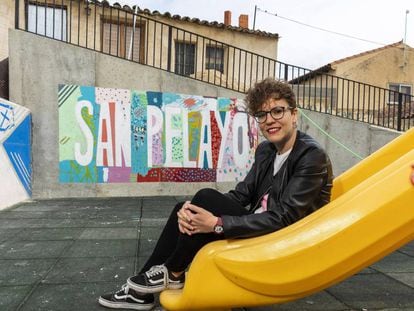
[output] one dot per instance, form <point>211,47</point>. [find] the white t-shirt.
<point>279,160</point>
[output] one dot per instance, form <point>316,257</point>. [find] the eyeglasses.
<point>277,113</point>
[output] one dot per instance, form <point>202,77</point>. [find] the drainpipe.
<point>405,43</point>
<point>133,32</point>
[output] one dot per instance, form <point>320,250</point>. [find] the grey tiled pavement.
<point>62,254</point>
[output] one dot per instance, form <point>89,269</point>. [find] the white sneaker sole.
<point>124,305</point>
<point>153,289</point>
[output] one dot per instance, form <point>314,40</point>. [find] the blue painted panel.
<point>18,148</point>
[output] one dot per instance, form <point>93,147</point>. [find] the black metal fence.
<point>4,78</point>
<point>144,39</point>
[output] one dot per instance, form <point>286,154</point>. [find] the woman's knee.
<point>205,195</point>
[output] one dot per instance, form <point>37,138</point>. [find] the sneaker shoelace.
<point>156,270</point>
<point>124,290</point>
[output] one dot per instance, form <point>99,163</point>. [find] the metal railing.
<point>119,32</point>
<point>4,78</point>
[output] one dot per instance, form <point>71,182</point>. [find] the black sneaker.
<point>155,280</point>
<point>126,298</point>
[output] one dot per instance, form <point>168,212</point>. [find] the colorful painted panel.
<point>116,135</point>
<point>15,153</point>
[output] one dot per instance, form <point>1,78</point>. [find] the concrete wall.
<point>15,153</point>
<point>361,138</point>
<point>38,65</point>
<point>6,22</point>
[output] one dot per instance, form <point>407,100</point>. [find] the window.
<point>396,88</point>
<point>215,58</point>
<point>120,40</point>
<point>184,58</point>
<point>47,20</point>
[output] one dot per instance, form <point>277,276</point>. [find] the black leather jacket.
<point>302,185</point>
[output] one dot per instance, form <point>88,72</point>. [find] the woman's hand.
<point>201,220</point>
<point>194,219</point>
<point>184,220</point>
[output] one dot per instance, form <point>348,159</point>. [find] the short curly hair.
<point>266,89</point>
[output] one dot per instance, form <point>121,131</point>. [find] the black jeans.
<point>177,250</point>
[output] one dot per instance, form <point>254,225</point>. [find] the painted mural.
<point>118,135</point>
<point>15,153</point>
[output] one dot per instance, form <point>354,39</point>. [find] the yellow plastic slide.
<point>371,215</point>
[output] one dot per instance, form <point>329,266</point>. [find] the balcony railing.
<point>141,38</point>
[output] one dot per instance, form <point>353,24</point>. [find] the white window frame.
<point>391,99</point>
<point>215,62</point>
<point>185,60</point>
<point>46,16</point>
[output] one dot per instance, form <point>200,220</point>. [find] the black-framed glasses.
<point>276,113</point>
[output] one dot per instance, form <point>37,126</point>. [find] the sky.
<point>377,22</point>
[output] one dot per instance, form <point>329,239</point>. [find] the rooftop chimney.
<point>227,18</point>
<point>244,21</point>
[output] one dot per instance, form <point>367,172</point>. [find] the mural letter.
<point>85,158</point>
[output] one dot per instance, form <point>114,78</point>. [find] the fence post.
<point>16,14</point>
<point>169,48</point>
<point>286,72</point>
<point>399,111</point>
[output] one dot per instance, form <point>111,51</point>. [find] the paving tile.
<point>146,247</point>
<point>113,222</point>
<point>396,262</point>
<point>65,297</point>
<point>109,241</point>
<point>160,212</point>
<point>76,270</point>
<point>14,223</point>
<point>373,291</point>
<point>12,296</point>
<point>153,222</point>
<point>150,233</point>
<point>404,277</point>
<point>49,234</point>
<point>46,213</point>
<point>321,301</point>
<point>32,249</point>
<point>57,223</point>
<point>13,214</point>
<point>408,249</point>
<point>140,262</point>
<point>29,207</point>
<point>9,234</point>
<point>109,233</point>
<point>102,248</point>
<point>24,271</point>
<point>119,213</point>
<point>158,202</point>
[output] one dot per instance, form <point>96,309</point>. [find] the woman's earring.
<point>295,125</point>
